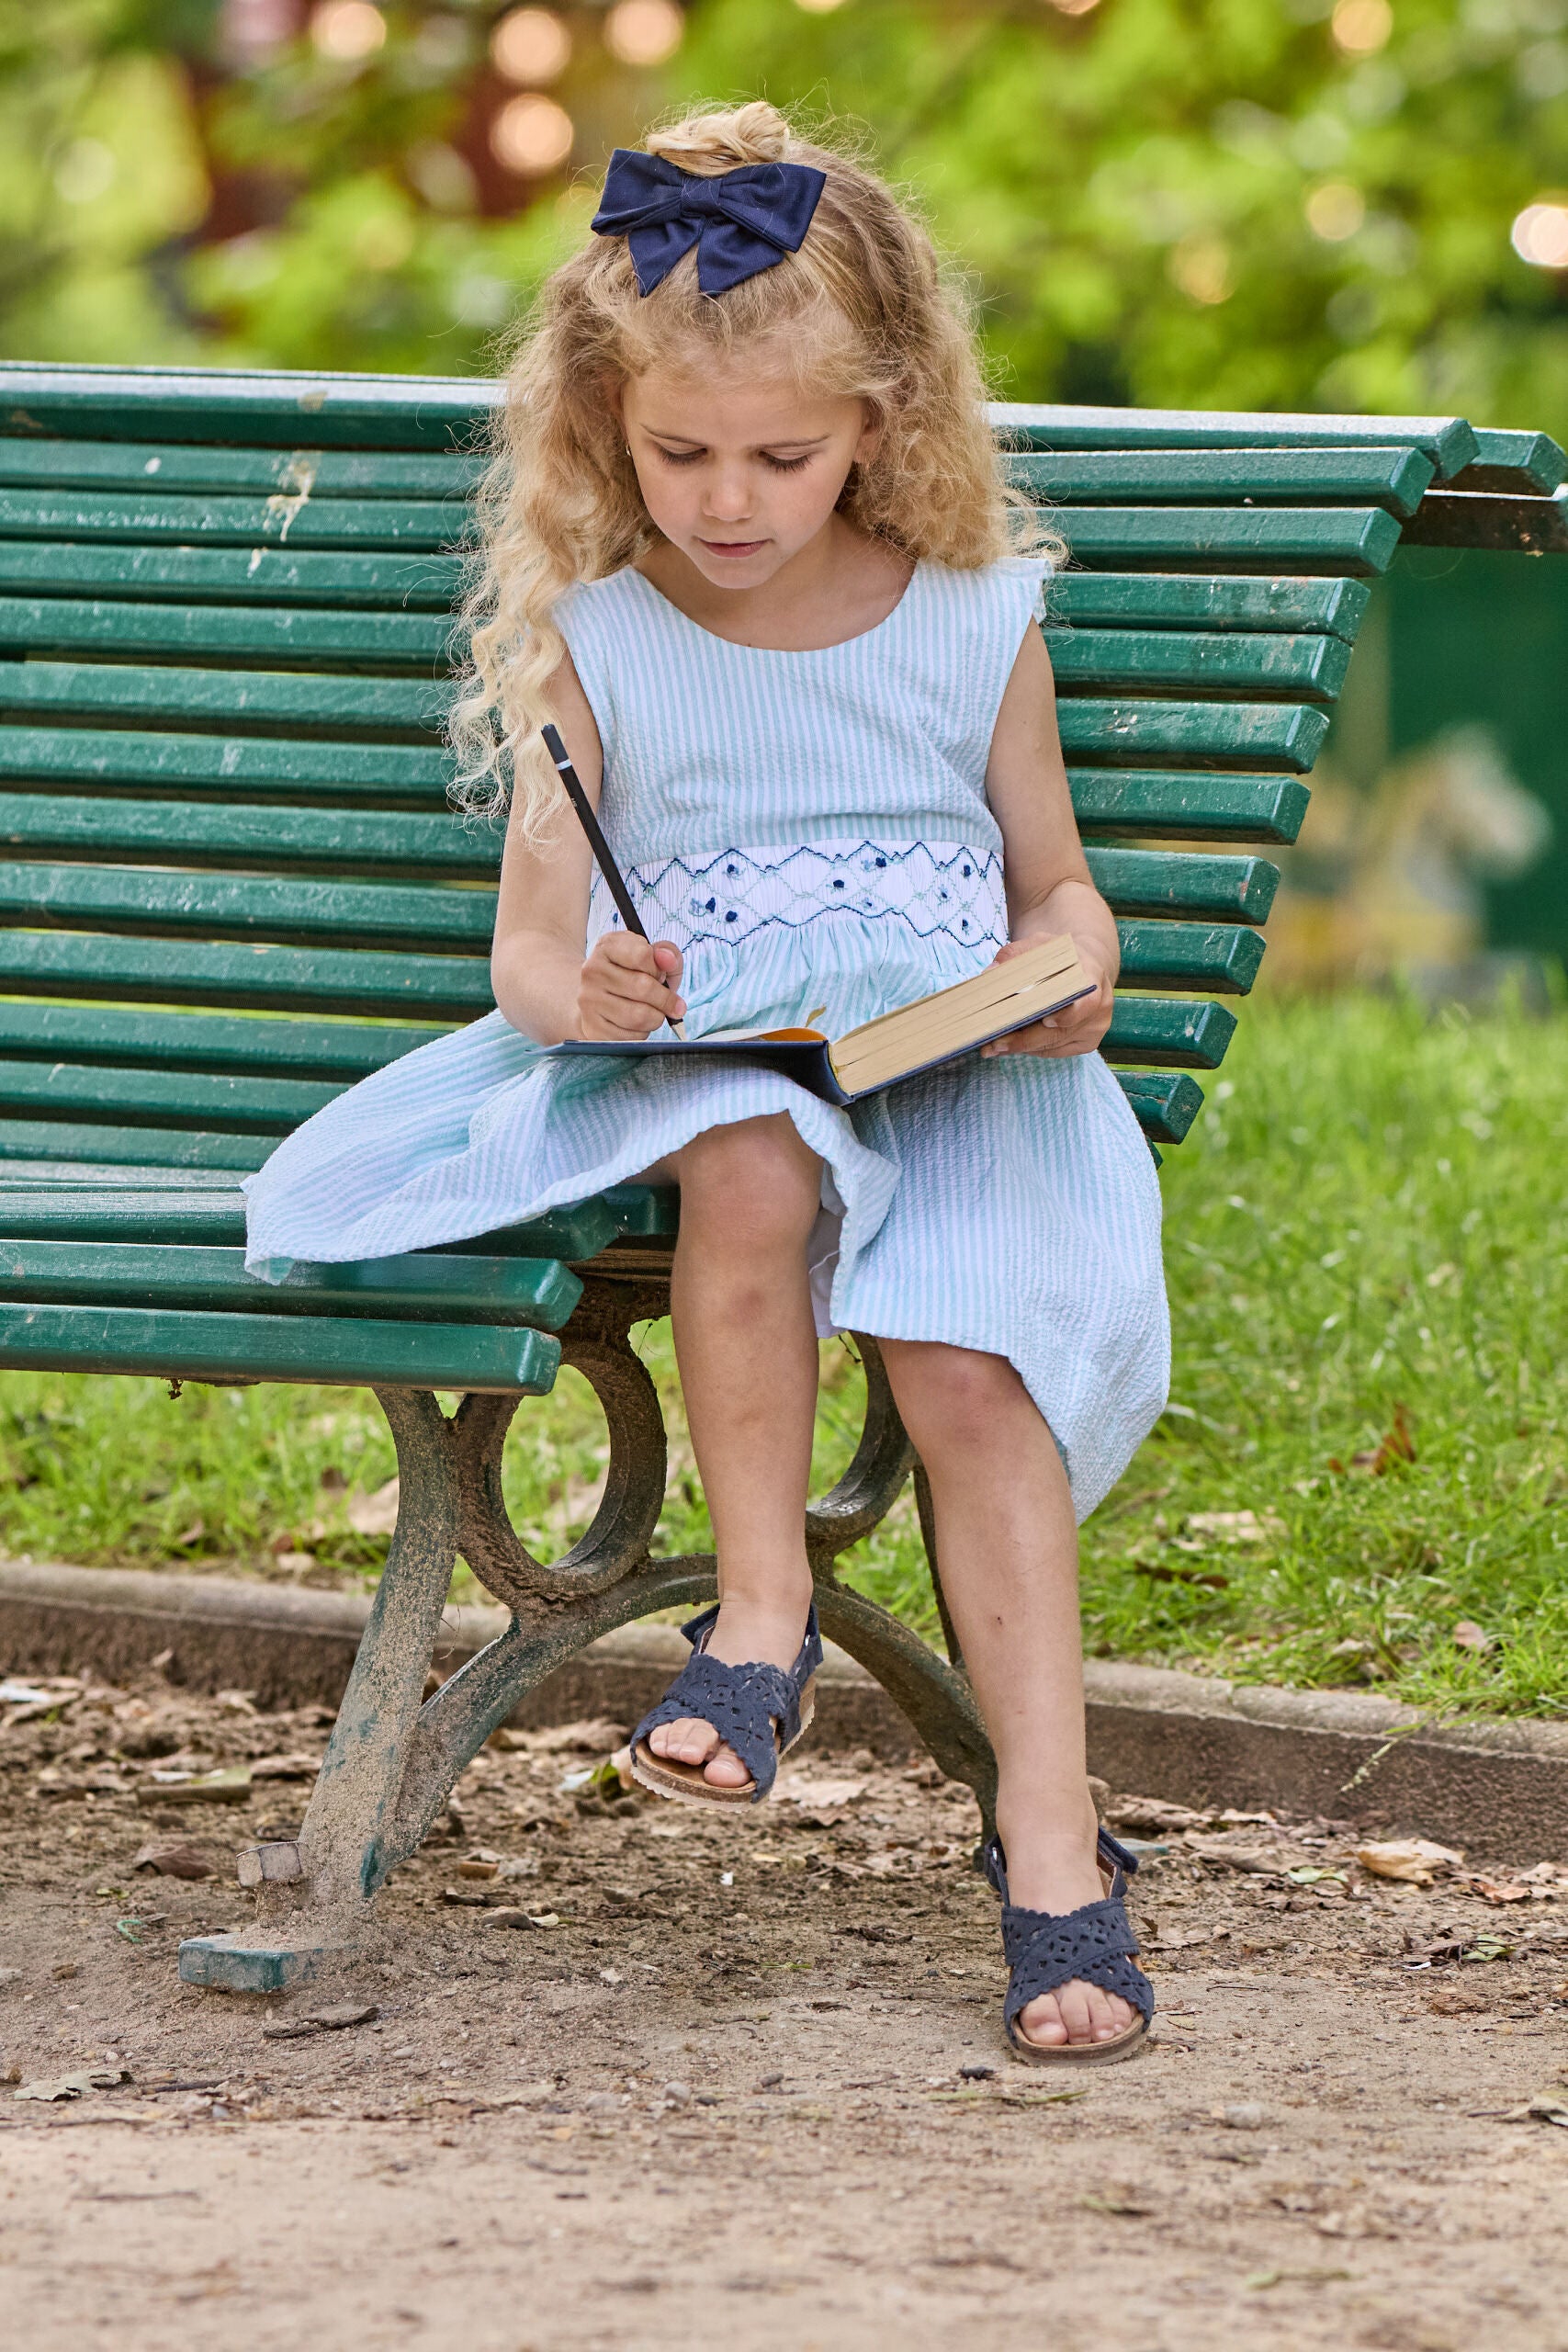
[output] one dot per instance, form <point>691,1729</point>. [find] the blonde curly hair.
<point>864,308</point>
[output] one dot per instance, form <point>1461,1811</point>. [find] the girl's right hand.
<point>628,988</point>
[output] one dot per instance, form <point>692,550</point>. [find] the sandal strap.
<point>744,1703</point>
<point>1117,1860</point>
<point>1095,1945</point>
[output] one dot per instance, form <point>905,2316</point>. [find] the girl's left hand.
<point>1077,1029</point>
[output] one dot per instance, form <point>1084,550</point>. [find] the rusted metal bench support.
<point>394,1756</point>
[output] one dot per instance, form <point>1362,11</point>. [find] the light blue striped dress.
<point>810,828</point>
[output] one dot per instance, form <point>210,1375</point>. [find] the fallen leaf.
<point>594,1736</point>
<point>1397,1444</point>
<point>1235,1526</point>
<point>1471,1637</point>
<point>1493,1890</point>
<point>1167,1572</point>
<point>1153,1813</point>
<point>1415,1860</point>
<point>175,1862</point>
<point>92,2078</point>
<point>824,1793</point>
<point>292,1767</point>
<point>1113,2203</point>
<point>230,1785</point>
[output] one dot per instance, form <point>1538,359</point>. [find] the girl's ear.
<point>871,433</point>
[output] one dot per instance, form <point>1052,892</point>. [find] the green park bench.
<point>234,887</point>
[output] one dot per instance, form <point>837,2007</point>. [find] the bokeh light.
<point>818,7</point>
<point>531,136</point>
<point>1073,7</point>
<point>1201,266</point>
<point>1539,234</point>
<point>1359,27</point>
<point>1335,211</point>
<point>644,32</point>
<point>346,30</point>
<point>530,45</point>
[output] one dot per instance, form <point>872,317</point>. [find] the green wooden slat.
<point>278,409</point>
<point>346,1353</point>
<point>161,1098</point>
<point>1166,1101</point>
<point>157,1147</point>
<point>190,1208</point>
<point>215,906</point>
<point>537,1292</point>
<point>329,1050</point>
<point>1449,441</point>
<point>287,636</point>
<point>278,766</point>
<point>238,575</point>
<point>169,465</point>
<point>207,697</point>
<point>1157,662</point>
<point>233,522</point>
<point>1184,882</point>
<point>1129,734</point>
<point>170,833</point>
<point>1356,539</point>
<point>21,1175</point>
<point>1390,477</point>
<point>1189,956</point>
<point>1530,465</point>
<point>1173,1033</point>
<point>256,975</point>
<point>1233,600</point>
<point>1187,805</point>
<point>1518,526</point>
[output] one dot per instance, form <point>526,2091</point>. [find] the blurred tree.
<point>1249,203</point>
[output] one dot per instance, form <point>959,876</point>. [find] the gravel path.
<point>749,2085</point>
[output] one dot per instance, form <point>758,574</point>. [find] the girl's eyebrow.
<point>779,441</point>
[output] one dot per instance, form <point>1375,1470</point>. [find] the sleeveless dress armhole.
<point>588,641</point>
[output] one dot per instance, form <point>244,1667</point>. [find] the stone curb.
<point>1491,1787</point>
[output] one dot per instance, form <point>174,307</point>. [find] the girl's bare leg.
<point>1007,1546</point>
<point>746,1344</point>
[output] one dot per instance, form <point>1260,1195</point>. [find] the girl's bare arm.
<point>542,983</point>
<point>1048,885</point>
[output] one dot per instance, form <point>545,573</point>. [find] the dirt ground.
<point>744,2084</point>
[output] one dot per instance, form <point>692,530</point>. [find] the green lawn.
<point>1363,1243</point>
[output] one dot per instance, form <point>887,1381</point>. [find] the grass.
<point>1365,1260</point>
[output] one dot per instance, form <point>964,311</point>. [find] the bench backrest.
<point>234,886</point>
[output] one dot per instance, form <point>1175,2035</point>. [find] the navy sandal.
<point>759,1711</point>
<point>1094,1944</point>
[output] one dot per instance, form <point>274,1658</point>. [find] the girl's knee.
<point>748,1185</point>
<point>954,1397</point>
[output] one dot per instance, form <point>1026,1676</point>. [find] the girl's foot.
<point>745,1632</point>
<point>1057,1871</point>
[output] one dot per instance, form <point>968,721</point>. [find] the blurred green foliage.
<point>1249,203</point>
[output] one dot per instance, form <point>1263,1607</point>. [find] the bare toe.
<point>1042,2022</point>
<point>687,1741</point>
<point>725,1771</point>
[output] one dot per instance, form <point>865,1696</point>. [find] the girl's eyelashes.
<point>690,458</point>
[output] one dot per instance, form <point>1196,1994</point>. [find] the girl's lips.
<point>733,547</point>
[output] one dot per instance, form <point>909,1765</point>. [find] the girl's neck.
<point>840,584</point>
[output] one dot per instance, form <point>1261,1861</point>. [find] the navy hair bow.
<point>740,221</point>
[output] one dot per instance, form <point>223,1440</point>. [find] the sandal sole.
<point>684,1784</point>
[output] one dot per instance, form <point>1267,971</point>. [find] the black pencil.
<point>614,880</point>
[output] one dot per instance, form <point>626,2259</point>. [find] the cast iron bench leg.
<point>392,1761</point>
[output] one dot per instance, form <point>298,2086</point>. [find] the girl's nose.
<point>728,495</point>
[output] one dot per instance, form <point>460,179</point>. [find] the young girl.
<point>749,547</point>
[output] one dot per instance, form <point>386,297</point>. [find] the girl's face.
<point>741,471</point>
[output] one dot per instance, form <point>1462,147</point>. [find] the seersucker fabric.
<point>811,829</point>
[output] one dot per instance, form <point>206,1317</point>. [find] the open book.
<point>896,1044</point>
